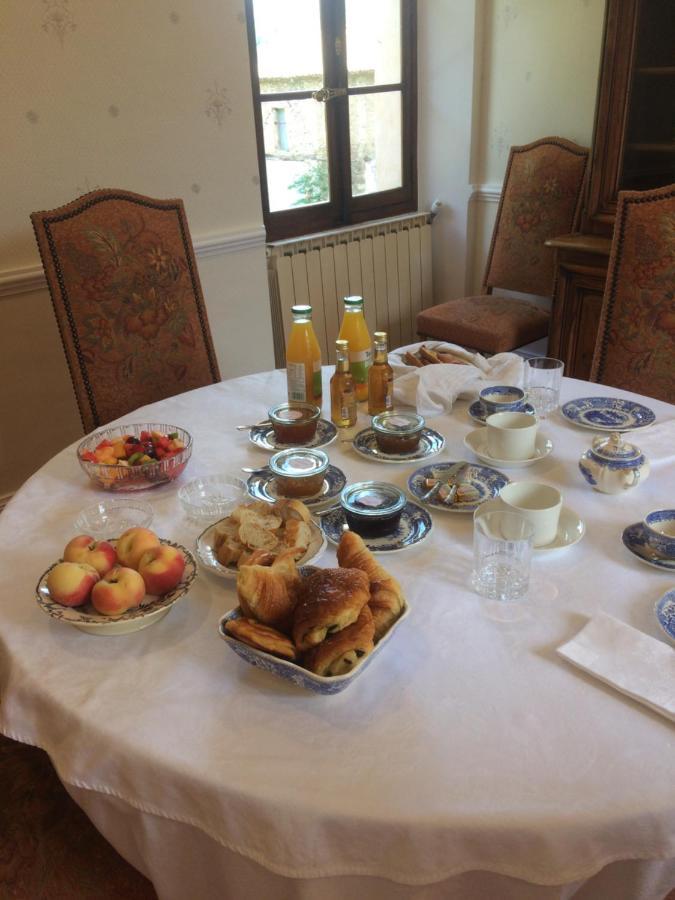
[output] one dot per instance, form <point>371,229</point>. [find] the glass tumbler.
<point>502,554</point>
<point>543,379</point>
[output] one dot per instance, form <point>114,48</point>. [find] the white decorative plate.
<point>476,441</point>
<point>150,611</point>
<point>479,414</point>
<point>571,528</point>
<point>263,436</point>
<point>261,486</point>
<point>607,414</point>
<point>485,481</point>
<point>665,613</point>
<point>636,539</point>
<point>431,443</point>
<point>414,526</point>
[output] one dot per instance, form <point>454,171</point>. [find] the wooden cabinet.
<point>633,149</point>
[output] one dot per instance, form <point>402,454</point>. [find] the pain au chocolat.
<point>386,598</point>
<point>328,601</point>
<point>340,652</point>
<point>261,637</point>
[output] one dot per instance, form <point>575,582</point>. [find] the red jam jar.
<point>398,433</point>
<point>299,473</point>
<point>294,423</point>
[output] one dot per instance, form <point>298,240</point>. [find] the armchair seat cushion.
<point>488,322</point>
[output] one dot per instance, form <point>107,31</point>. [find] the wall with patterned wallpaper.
<point>150,96</point>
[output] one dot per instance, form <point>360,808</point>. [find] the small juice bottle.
<point>342,393</point>
<point>355,330</point>
<point>303,359</point>
<point>380,378</point>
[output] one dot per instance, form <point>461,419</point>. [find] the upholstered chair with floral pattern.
<point>541,198</point>
<point>635,348</point>
<point>123,280</point>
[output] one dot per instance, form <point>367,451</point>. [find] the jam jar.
<point>398,432</point>
<point>294,423</point>
<point>299,473</point>
<point>372,508</point>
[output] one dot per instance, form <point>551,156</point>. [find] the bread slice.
<point>229,552</point>
<point>297,535</point>
<point>291,510</point>
<point>257,537</point>
<point>257,506</point>
<point>267,521</point>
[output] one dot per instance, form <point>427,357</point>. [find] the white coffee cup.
<point>539,503</point>
<point>511,435</point>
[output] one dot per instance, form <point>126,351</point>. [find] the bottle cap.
<point>341,344</point>
<point>380,335</point>
<point>353,302</point>
<point>302,310</point>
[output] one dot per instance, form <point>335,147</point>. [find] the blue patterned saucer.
<point>263,436</point>
<point>261,486</point>
<point>485,481</point>
<point>479,414</point>
<point>665,613</point>
<point>414,526</point>
<point>636,539</point>
<point>431,443</point>
<point>607,414</point>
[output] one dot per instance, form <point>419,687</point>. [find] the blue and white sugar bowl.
<point>612,465</point>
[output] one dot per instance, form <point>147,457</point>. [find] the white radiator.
<point>388,263</point>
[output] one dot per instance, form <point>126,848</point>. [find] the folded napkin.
<point>434,388</point>
<point>626,659</point>
<point>657,442</point>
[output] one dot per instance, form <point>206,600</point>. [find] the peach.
<point>120,589</point>
<point>133,544</point>
<point>71,583</point>
<point>84,549</point>
<point>161,568</point>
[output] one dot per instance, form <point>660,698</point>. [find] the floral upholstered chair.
<point>635,348</point>
<point>123,280</point>
<point>541,198</point>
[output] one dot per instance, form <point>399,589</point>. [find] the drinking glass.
<point>543,379</point>
<point>502,553</point>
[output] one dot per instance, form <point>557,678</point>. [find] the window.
<point>335,107</point>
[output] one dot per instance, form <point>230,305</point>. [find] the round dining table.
<point>469,760</point>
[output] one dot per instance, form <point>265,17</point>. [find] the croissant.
<point>261,637</point>
<point>386,596</point>
<point>328,601</point>
<point>265,595</point>
<point>339,653</point>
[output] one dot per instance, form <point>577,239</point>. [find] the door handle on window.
<point>326,94</point>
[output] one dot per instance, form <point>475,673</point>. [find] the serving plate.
<point>607,414</point>
<point>431,443</point>
<point>290,671</point>
<point>486,482</point>
<point>207,554</point>
<point>636,539</point>
<point>150,610</point>
<point>263,437</point>
<point>261,486</point>
<point>414,526</point>
<point>479,414</point>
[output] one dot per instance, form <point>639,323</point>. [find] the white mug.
<point>511,435</point>
<point>539,503</point>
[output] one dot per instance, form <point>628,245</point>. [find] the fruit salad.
<point>128,450</point>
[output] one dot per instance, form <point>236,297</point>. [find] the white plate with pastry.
<point>258,532</point>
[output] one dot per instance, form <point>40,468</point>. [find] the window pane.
<point>373,42</point>
<point>295,153</point>
<point>375,134</point>
<point>288,44</point>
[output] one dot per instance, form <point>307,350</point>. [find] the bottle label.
<point>316,379</point>
<point>359,363</point>
<point>295,376</point>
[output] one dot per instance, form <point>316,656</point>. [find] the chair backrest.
<point>635,347</point>
<point>124,285</point>
<point>541,198</point>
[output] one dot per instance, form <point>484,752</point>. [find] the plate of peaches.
<point>116,586</point>
<point>318,628</point>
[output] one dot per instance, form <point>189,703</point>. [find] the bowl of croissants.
<point>317,627</point>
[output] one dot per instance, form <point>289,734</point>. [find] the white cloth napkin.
<point>656,442</point>
<point>433,389</point>
<point>628,660</point>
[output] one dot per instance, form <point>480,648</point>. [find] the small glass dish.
<point>398,432</point>
<point>372,508</point>
<point>294,423</point>
<point>212,497</point>
<point>134,478</point>
<point>110,518</point>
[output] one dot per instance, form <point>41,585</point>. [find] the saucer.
<point>479,414</point>
<point>476,441</point>
<point>636,539</point>
<point>485,481</point>
<point>607,414</point>
<point>571,528</point>
<point>263,436</point>
<point>414,526</point>
<point>431,443</point>
<point>261,486</point>
<point>665,613</point>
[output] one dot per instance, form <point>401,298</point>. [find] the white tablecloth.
<point>468,761</point>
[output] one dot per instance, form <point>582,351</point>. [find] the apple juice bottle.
<point>355,330</point>
<point>342,389</point>
<point>303,358</point>
<point>380,378</point>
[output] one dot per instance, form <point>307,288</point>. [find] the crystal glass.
<point>109,518</point>
<point>211,497</point>
<point>543,380</point>
<point>502,549</point>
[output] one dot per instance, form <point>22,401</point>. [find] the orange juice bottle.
<point>303,359</point>
<point>355,330</point>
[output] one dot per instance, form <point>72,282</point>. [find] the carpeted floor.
<point>49,850</point>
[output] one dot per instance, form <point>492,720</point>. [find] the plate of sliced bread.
<point>260,533</point>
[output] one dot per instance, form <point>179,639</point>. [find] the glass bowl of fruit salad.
<point>135,457</point>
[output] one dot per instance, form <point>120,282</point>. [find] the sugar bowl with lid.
<point>612,465</point>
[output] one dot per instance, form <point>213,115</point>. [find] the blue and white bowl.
<point>665,613</point>
<point>660,525</point>
<point>502,398</point>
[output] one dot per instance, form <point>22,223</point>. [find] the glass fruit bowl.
<point>124,477</point>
